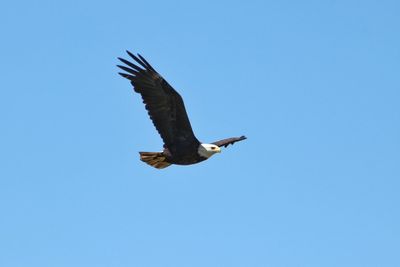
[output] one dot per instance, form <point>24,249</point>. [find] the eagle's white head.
<point>207,150</point>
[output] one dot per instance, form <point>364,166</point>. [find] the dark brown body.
<point>183,158</point>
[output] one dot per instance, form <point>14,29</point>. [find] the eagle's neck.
<point>207,150</point>
<point>203,152</point>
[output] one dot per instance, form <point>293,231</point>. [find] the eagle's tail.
<point>155,159</point>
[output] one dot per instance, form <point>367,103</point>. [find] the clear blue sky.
<point>315,85</point>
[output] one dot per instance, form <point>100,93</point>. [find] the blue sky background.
<point>315,86</point>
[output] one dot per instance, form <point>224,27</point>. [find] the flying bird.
<point>167,111</point>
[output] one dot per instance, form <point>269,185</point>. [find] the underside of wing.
<point>229,141</point>
<point>164,105</point>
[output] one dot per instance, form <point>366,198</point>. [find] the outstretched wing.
<point>164,105</point>
<point>229,141</point>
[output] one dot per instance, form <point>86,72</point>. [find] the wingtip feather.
<point>138,60</point>
<point>131,71</point>
<point>127,76</point>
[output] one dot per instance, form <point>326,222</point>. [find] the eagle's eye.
<point>213,147</point>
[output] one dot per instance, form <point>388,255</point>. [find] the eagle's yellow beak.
<point>218,150</point>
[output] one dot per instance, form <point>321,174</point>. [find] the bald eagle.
<point>167,111</point>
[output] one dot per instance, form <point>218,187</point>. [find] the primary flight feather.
<point>167,111</point>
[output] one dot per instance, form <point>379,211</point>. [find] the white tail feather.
<point>154,159</point>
